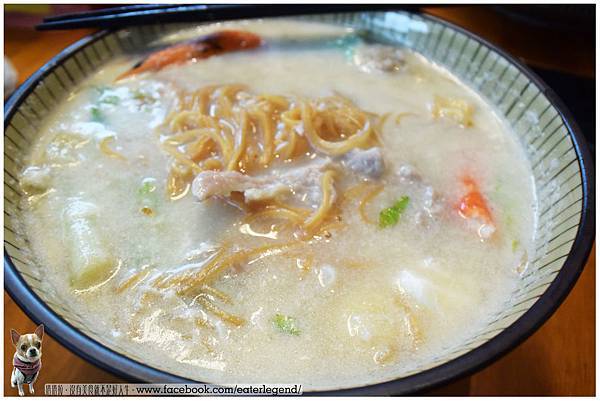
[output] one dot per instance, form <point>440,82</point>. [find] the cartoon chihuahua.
<point>27,361</point>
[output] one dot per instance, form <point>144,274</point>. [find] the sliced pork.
<point>303,180</point>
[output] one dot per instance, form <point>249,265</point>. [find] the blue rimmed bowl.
<point>559,157</point>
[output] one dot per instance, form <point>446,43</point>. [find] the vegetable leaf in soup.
<point>286,324</point>
<point>391,215</point>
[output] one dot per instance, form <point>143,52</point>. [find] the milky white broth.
<point>421,288</point>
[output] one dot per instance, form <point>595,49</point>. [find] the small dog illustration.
<point>27,360</point>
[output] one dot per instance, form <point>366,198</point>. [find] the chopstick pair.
<point>120,17</point>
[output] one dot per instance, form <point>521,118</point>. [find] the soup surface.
<point>283,203</point>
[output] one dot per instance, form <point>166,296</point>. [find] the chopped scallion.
<point>391,215</point>
<point>286,324</point>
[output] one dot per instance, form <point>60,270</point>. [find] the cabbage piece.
<point>457,110</point>
<point>91,260</point>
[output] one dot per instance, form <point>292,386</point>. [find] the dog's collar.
<point>17,356</point>
<point>27,368</point>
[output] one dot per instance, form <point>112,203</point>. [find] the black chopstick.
<point>106,11</point>
<point>121,17</point>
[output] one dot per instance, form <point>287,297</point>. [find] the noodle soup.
<point>279,202</point>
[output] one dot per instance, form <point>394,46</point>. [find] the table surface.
<point>559,359</point>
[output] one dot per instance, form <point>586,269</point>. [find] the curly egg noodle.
<point>228,128</point>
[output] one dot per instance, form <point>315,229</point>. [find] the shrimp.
<point>474,208</point>
<point>207,46</point>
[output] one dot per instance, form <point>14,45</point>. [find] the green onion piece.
<point>147,187</point>
<point>515,245</point>
<point>286,324</point>
<point>391,215</point>
<point>97,115</point>
<point>147,195</point>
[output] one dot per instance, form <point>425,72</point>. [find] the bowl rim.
<point>466,364</point>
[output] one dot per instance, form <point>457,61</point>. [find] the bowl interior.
<point>562,179</point>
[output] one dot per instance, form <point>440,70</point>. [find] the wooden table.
<point>559,359</point>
